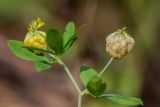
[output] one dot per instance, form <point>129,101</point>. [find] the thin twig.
<point>103,70</point>
<point>68,72</point>
<point>79,100</point>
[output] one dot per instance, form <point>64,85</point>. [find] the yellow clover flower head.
<point>119,44</point>
<point>35,38</point>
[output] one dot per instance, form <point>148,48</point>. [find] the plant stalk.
<point>68,72</point>
<point>73,81</point>
<point>79,100</point>
<point>70,76</point>
<point>103,70</point>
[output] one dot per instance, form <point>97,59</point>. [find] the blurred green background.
<point>137,74</point>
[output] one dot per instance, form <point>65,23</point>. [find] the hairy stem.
<point>79,100</point>
<point>72,79</point>
<point>70,76</point>
<point>103,70</point>
<point>68,72</point>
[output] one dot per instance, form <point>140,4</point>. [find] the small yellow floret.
<point>35,25</point>
<point>39,22</point>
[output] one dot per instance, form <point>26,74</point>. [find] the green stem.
<point>72,79</point>
<point>80,100</point>
<point>67,71</point>
<point>103,70</point>
<point>70,76</point>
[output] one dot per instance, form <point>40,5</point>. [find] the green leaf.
<point>77,32</point>
<point>96,86</point>
<point>86,74</point>
<point>55,41</point>
<point>68,35</point>
<point>41,66</point>
<point>18,49</point>
<point>123,99</point>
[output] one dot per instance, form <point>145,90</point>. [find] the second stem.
<point>72,79</point>
<point>69,74</point>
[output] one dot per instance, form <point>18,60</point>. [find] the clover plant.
<point>46,49</point>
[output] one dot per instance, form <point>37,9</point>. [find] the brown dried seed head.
<point>119,43</point>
